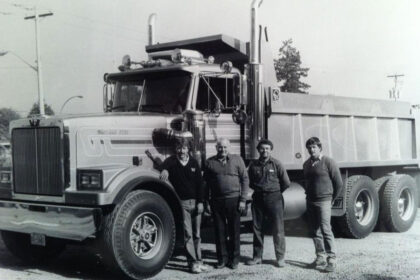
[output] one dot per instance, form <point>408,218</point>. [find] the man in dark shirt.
<point>323,185</point>
<point>269,180</point>
<point>228,182</point>
<point>184,173</point>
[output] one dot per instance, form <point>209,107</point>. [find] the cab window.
<point>217,92</point>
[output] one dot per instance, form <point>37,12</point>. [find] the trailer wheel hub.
<point>363,207</point>
<point>405,204</point>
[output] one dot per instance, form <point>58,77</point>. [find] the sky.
<point>350,46</point>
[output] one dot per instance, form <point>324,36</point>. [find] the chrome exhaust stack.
<point>151,28</point>
<point>255,72</point>
<point>254,45</point>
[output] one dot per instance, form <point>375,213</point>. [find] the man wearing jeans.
<point>184,173</point>
<point>228,182</point>
<point>323,184</point>
<point>269,180</point>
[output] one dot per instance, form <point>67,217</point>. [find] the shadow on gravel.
<point>376,277</point>
<point>176,266</point>
<point>74,262</point>
<point>296,228</point>
<point>299,264</point>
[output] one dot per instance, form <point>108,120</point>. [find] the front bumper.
<point>75,223</point>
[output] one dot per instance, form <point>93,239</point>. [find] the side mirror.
<point>239,116</point>
<point>243,96</point>
<point>107,98</point>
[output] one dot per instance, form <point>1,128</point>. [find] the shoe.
<point>195,268</point>
<point>220,265</point>
<point>280,263</point>
<point>203,267</point>
<point>330,267</point>
<point>232,265</point>
<point>254,261</point>
<point>319,263</point>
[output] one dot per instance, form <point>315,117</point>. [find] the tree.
<point>35,110</point>
<point>6,116</point>
<point>288,69</point>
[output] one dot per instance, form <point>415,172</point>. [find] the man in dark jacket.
<point>269,180</point>
<point>323,184</point>
<point>184,173</point>
<point>227,179</point>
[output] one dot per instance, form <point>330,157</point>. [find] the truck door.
<point>217,95</point>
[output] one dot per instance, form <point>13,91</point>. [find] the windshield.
<point>164,92</point>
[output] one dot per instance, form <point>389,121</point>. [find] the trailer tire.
<point>19,244</point>
<point>362,207</point>
<point>399,203</point>
<point>380,186</point>
<point>146,217</point>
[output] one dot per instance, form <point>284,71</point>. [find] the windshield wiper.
<point>141,95</point>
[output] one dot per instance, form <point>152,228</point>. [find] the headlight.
<point>4,177</point>
<point>89,179</point>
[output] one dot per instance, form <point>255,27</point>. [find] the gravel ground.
<point>379,256</point>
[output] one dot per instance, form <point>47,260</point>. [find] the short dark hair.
<point>314,141</point>
<point>182,142</point>
<point>265,142</point>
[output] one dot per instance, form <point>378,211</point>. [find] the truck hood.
<point>111,142</point>
<point>115,138</point>
<point>107,119</point>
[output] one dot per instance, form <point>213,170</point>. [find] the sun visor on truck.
<point>221,47</point>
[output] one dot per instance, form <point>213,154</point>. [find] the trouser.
<point>319,214</point>
<point>192,238</point>
<point>268,205</point>
<point>227,221</point>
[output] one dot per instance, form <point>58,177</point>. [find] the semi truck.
<point>94,179</point>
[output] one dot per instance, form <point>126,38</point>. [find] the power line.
<point>118,35</point>
<point>73,15</point>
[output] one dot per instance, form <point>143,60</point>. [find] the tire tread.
<point>345,222</point>
<point>131,200</point>
<point>387,207</point>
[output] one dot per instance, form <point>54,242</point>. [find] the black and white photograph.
<point>209,139</point>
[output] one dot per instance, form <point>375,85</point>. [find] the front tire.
<point>399,203</point>
<point>362,207</point>
<point>141,234</point>
<point>19,244</point>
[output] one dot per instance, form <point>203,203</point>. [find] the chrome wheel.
<point>405,204</point>
<point>363,207</point>
<point>146,235</point>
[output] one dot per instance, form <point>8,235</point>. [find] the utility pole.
<point>393,93</point>
<point>38,59</point>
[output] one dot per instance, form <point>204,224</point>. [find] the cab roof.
<point>221,47</point>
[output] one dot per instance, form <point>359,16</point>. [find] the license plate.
<point>38,239</point>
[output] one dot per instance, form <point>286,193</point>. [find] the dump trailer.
<point>94,179</point>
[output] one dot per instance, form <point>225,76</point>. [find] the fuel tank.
<point>294,201</point>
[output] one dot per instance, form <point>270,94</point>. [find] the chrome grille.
<point>37,167</point>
